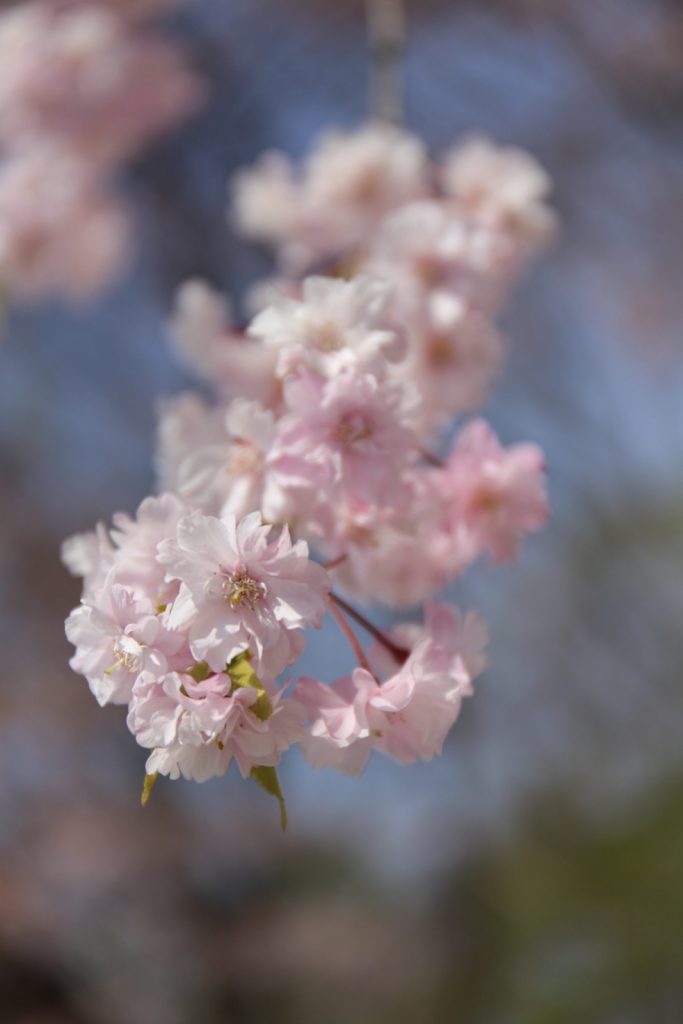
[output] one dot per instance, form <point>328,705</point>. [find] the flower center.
<point>440,350</point>
<point>366,186</point>
<point>352,429</point>
<point>485,499</point>
<point>239,588</point>
<point>244,459</point>
<point>430,269</point>
<point>126,660</point>
<point>328,338</point>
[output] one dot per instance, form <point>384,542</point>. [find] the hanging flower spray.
<point>309,484</point>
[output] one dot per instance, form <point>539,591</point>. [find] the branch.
<point>386,26</point>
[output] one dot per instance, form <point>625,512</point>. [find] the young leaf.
<point>147,788</point>
<point>268,780</point>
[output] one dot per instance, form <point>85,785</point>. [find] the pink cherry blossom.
<point>351,434</point>
<point>409,715</point>
<point>90,556</point>
<point>137,565</point>
<point>322,419</point>
<point>208,342</point>
<point>192,451</point>
<point>197,728</point>
<point>59,233</point>
<point>78,77</point>
<point>427,247</point>
<point>348,183</point>
<point>339,735</point>
<point>335,325</point>
<point>117,637</point>
<point>214,458</point>
<point>497,493</point>
<point>503,186</point>
<point>454,355</point>
<point>241,592</point>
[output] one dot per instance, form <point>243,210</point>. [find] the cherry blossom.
<point>196,728</point>
<point>208,342</point>
<point>334,325</point>
<point>117,637</point>
<point>241,592</point>
<point>346,186</point>
<point>408,716</point>
<point>59,232</point>
<point>80,78</point>
<point>503,186</point>
<point>350,434</point>
<point>326,415</point>
<point>81,90</point>
<point>498,494</point>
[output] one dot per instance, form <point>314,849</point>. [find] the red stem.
<point>335,562</point>
<point>396,651</point>
<point>351,637</point>
<point>433,460</point>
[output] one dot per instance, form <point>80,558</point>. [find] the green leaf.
<point>147,788</point>
<point>199,672</point>
<point>268,780</point>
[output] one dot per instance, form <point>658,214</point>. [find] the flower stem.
<point>433,460</point>
<point>396,651</point>
<point>386,34</point>
<point>335,563</point>
<point>354,643</point>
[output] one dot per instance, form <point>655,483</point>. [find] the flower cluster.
<point>82,87</point>
<point>327,410</point>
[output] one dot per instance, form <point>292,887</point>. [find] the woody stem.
<point>386,26</point>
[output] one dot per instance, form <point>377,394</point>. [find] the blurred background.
<point>530,876</point>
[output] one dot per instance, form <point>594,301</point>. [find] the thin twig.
<point>353,640</point>
<point>386,24</point>
<point>432,459</point>
<point>335,563</point>
<point>396,651</point>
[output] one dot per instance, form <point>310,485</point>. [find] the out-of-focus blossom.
<point>498,494</point>
<point>135,10</point>
<point>335,325</point>
<point>454,355</point>
<point>59,232</point>
<point>502,186</point>
<point>80,78</point>
<point>347,185</point>
<point>426,248</point>
<point>209,343</point>
<point>215,459</point>
<point>82,89</point>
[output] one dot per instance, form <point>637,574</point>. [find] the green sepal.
<point>199,672</point>
<point>242,674</point>
<point>268,780</point>
<point>147,788</point>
